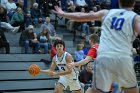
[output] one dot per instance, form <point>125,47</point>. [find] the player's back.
<point>117,32</point>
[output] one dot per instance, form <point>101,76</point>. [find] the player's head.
<point>59,43</point>
<point>126,3</point>
<point>93,38</point>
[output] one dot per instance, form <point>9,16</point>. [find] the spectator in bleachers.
<point>83,27</point>
<point>20,4</point>
<point>90,4</point>
<point>18,19</point>
<point>3,42</point>
<point>85,76</point>
<point>85,49</point>
<point>80,4</point>
<point>4,2</point>
<point>44,5</point>
<point>3,21</point>
<point>70,23</point>
<point>79,53</point>
<point>11,8</point>
<point>29,39</point>
<point>70,5</point>
<point>47,24</point>
<point>136,44</point>
<point>44,40</point>
<point>136,49</point>
<point>27,15</point>
<point>36,15</point>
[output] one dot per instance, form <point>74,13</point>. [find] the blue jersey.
<point>117,32</point>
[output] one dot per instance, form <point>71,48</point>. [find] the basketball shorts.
<point>73,84</point>
<point>109,69</point>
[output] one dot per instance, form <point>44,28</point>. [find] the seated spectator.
<point>85,76</point>
<point>43,39</point>
<point>4,43</point>
<point>83,26</point>
<point>36,15</point>
<point>4,2</point>
<point>47,24</point>
<point>70,23</point>
<point>29,39</point>
<point>85,49</point>
<point>18,19</point>
<point>79,53</point>
<point>3,21</point>
<point>11,8</point>
<point>25,12</point>
<point>80,4</point>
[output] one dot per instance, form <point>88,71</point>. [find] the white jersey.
<point>117,32</point>
<point>62,65</point>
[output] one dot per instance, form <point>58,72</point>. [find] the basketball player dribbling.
<point>68,77</point>
<point>114,60</point>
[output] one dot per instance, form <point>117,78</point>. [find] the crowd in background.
<point>17,17</point>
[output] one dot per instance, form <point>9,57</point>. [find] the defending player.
<point>114,60</point>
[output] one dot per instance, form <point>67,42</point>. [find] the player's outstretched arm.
<point>79,16</point>
<point>45,71</point>
<point>80,63</point>
<point>50,71</point>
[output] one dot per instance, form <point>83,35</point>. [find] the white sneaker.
<point>15,29</point>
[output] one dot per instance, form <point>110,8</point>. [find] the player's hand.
<point>71,65</point>
<point>58,10</point>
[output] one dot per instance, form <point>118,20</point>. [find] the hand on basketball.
<point>34,70</point>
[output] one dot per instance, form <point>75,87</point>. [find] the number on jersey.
<point>63,68</point>
<point>117,23</point>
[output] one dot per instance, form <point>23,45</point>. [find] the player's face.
<point>59,47</point>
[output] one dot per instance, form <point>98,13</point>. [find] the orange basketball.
<point>34,69</point>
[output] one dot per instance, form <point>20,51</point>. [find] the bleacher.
<point>15,77</point>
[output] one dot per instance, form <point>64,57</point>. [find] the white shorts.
<point>73,84</point>
<point>109,69</point>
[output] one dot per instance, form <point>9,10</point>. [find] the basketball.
<point>34,69</point>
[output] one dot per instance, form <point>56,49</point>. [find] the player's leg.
<point>131,90</point>
<point>102,78</point>
<point>58,88</point>
<point>128,80</point>
<point>75,86</point>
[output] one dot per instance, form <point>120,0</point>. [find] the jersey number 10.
<point>117,23</point>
